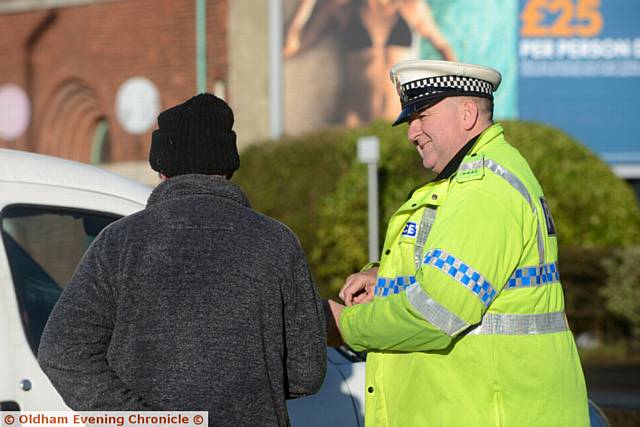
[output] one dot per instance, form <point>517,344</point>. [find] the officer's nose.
<point>414,130</point>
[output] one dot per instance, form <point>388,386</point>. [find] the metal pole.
<point>275,68</point>
<point>369,153</point>
<point>373,211</point>
<point>201,45</point>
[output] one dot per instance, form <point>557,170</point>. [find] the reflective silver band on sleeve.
<point>515,182</point>
<point>491,324</point>
<point>433,312</point>
<point>428,218</point>
<point>521,324</point>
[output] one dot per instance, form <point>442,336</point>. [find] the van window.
<point>43,247</point>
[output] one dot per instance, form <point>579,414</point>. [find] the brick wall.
<point>72,60</point>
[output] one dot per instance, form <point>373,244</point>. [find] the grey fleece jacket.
<point>195,303</point>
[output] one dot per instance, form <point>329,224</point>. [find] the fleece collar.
<point>197,185</point>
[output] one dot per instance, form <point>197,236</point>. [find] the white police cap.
<point>422,83</point>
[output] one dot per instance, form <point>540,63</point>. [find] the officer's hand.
<point>359,287</point>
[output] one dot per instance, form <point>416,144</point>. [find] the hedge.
<point>622,290</point>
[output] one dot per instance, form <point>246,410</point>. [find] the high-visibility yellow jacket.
<point>468,325</point>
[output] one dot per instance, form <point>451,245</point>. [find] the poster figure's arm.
<point>419,17</point>
<point>302,31</point>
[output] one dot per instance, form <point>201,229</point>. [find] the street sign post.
<point>369,153</point>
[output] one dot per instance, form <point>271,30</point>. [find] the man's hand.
<point>359,287</point>
<point>332,312</point>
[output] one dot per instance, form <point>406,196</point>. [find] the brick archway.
<point>70,121</point>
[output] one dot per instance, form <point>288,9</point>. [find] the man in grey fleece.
<point>196,302</point>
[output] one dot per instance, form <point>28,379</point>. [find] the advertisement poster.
<point>579,63</point>
<point>338,53</point>
<point>572,64</point>
<point>482,32</point>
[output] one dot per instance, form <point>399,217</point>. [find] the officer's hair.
<point>485,107</point>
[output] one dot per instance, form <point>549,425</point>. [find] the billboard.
<point>573,64</point>
<point>580,71</point>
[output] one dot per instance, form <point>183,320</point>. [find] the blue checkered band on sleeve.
<point>387,286</point>
<point>462,273</point>
<point>538,275</point>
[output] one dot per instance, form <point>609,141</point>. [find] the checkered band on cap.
<point>417,90</point>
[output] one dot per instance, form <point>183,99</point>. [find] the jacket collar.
<point>487,135</point>
<point>471,147</point>
<point>454,163</point>
<point>196,184</point>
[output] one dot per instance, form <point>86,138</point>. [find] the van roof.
<point>25,167</point>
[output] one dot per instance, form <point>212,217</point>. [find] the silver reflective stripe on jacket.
<point>434,313</point>
<point>428,218</point>
<point>515,182</point>
<point>521,324</point>
<point>491,323</point>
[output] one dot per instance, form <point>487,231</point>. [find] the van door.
<point>40,246</point>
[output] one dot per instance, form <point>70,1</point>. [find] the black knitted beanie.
<point>195,137</point>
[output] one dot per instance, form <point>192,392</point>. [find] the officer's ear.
<point>469,113</point>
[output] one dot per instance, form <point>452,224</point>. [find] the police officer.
<point>463,318</point>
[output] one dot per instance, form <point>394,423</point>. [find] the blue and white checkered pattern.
<point>462,273</point>
<point>534,276</point>
<point>387,286</point>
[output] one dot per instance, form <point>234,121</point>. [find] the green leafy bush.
<point>316,186</point>
<point>288,179</point>
<point>583,275</point>
<point>622,290</point>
